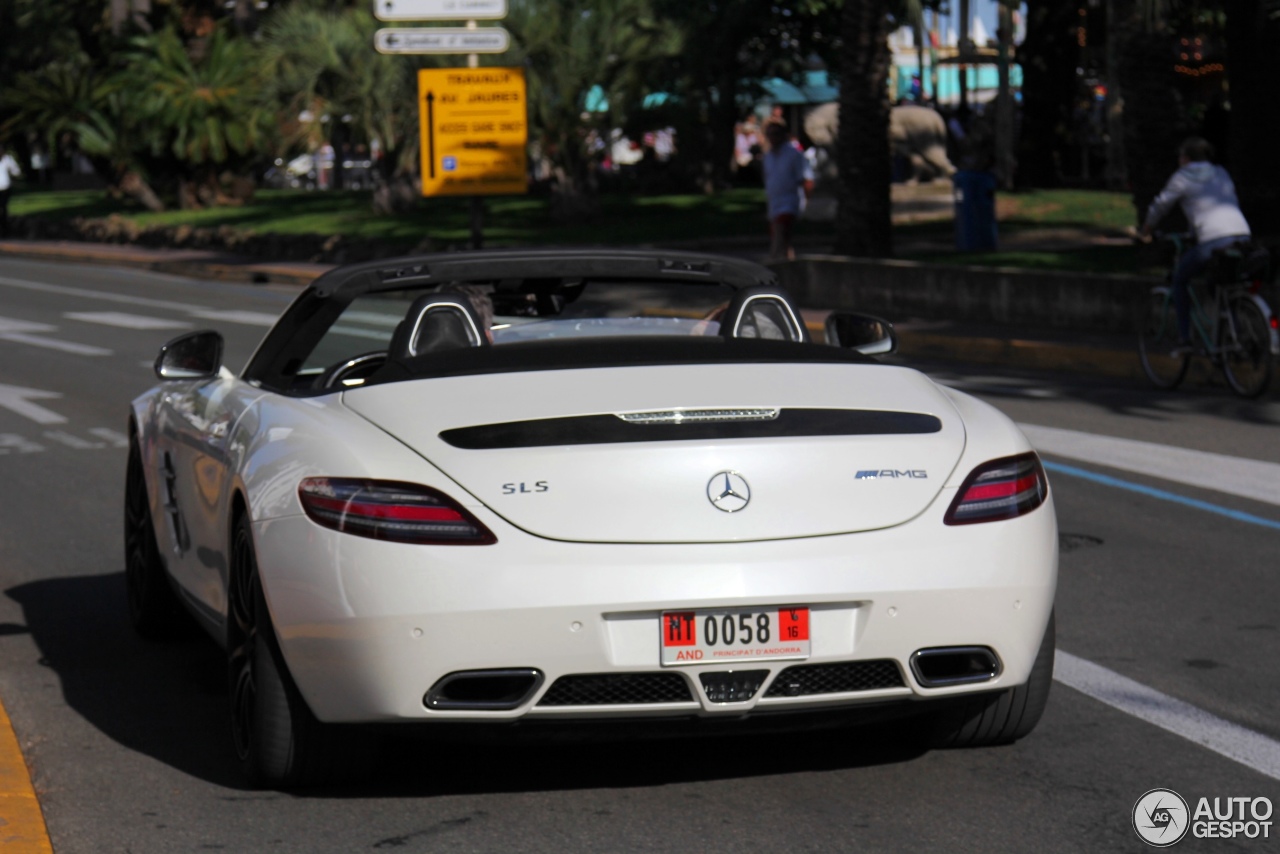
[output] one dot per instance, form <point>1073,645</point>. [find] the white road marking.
<point>1249,748</point>
<point>105,296</point>
<point>18,400</point>
<point>126,321</point>
<point>55,344</point>
<point>22,332</point>
<point>11,326</point>
<point>1253,479</point>
<point>13,443</point>
<point>114,437</point>
<point>248,318</point>
<point>72,441</point>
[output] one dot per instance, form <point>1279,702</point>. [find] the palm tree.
<point>72,98</point>
<point>199,117</point>
<point>864,226</point>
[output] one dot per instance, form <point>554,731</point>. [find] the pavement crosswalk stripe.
<point>125,321</point>
<point>1249,748</point>
<point>1253,479</point>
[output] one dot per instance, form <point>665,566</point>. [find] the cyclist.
<point>1208,199</point>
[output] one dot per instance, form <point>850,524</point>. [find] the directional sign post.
<point>439,10</point>
<point>474,131</point>
<point>440,40</point>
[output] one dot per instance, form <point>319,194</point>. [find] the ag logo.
<point>1161,817</point>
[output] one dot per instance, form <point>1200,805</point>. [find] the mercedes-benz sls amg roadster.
<point>523,486</point>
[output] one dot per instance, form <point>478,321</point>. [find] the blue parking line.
<point>1107,480</point>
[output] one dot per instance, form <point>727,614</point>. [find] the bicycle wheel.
<point>1246,354</point>
<point>1157,337</point>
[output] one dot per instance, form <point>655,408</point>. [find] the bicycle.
<point>1238,331</point>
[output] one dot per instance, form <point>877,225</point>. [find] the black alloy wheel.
<point>278,741</point>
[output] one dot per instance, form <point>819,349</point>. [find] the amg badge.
<point>875,474</point>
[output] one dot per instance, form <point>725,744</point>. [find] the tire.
<point>1157,324</point>
<point>154,610</point>
<point>277,739</point>
<point>1002,718</point>
<point>1246,358</point>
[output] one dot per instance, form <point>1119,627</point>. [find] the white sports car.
<point>564,485</point>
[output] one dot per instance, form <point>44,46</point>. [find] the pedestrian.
<point>788,181</point>
<point>1207,196</point>
<point>8,171</point>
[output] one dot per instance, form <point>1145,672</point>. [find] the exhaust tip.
<point>943,666</point>
<point>484,690</point>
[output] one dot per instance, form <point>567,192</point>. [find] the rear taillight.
<point>388,510</point>
<point>1000,489</point>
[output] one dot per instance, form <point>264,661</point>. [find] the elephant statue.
<point>917,135</point>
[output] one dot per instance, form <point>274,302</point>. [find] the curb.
<point>209,265</point>
<point>22,827</point>
<point>1032,355</point>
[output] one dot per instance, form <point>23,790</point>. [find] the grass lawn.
<point>736,215</point>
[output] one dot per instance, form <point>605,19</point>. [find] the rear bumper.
<point>367,628</point>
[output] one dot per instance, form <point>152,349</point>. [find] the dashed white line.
<point>72,441</point>
<point>248,318</point>
<point>55,344</point>
<point>1249,748</point>
<point>12,443</point>
<point>126,321</point>
<point>113,437</point>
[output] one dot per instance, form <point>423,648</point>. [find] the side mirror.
<point>862,332</point>
<point>194,356</point>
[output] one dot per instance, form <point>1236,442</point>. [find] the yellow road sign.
<point>474,131</point>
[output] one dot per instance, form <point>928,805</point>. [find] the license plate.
<point>732,635</point>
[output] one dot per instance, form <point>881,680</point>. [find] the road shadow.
<point>165,700</point>
<point>169,701</point>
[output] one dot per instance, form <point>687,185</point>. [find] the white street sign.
<point>442,40</point>
<point>439,10</point>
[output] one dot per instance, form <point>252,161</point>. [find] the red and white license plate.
<point>733,635</point>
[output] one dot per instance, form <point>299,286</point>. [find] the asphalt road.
<point>1168,625</point>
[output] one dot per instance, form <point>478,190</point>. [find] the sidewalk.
<point>929,340</point>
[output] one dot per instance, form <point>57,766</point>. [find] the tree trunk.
<point>134,185</point>
<point>1253,67</point>
<point>1049,56</point>
<point>864,223</point>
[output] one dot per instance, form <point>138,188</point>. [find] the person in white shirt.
<point>1207,196</point>
<point>8,171</point>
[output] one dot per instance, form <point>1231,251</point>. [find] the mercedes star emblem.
<point>728,491</point>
